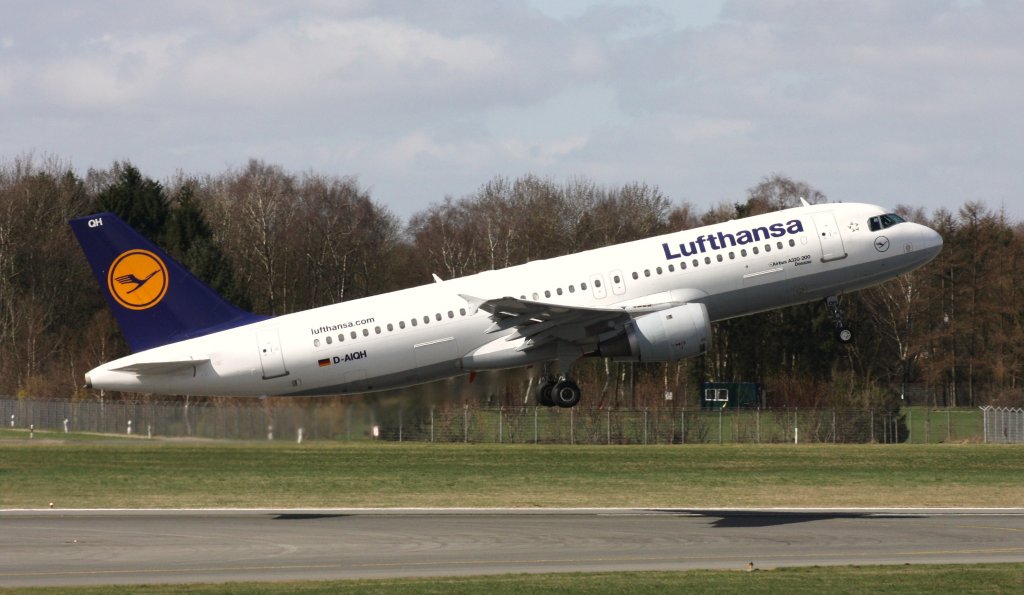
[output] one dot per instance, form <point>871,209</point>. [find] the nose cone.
<point>926,243</point>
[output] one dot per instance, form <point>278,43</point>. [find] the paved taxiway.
<point>63,547</point>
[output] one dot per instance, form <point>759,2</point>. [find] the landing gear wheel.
<point>843,333</point>
<point>566,394</point>
<point>544,394</point>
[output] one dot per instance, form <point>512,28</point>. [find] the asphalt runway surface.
<point>68,547</point>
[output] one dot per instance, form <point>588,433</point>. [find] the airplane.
<point>649,300</point>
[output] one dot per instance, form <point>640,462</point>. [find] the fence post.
<point>645,426</point>
<point>465,423</point>
<point>682,424</point>
<point>608,425</point>
<point>501,432</point>
<point>431,423</point>
<point>834,430</point>
<point>720,437</point>
<point>757,425</point>
<point>535,425</point>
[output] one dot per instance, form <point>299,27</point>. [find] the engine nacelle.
<point>664,336</point>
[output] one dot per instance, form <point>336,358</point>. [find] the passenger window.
<point>767,247</point>
<point>366,332</point>
<point>414,322</point>
<point>316,342</point>
<point>451,314</point>
<point>328,339</point>
<point>391,327</point>
<point>755,250</point>
<point>720,259</point>
<point>376,330</point>
<point>353,334</point>
<point>778,245</point>
<point>732,256</point>
<point>658,270</point>
<point>743,252</point>
<point>671,269</point>
<point>707,260</point>
<point>438,316</point>
<point>559,291</point>
<point>462,311</point>
<point>572,289</point>
<point>695,262</point>
<point>547,293</point>
<point>682,266</point>
<point>647,272</point>
<point>583,286</point>
<point>401,324</point>
<point>792,242</point>
<point>426,320</point>
<point>618,279</point>
<point>635,275</point>
<point>536,297</point>
<point>341,337</point>
<point>597,283</point>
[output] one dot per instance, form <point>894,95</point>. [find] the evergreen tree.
<point>139,201</point>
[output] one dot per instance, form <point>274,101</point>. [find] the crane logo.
<point>137,279</point>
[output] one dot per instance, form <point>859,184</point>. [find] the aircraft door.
<point>618,282</point>
<point>828,234</point>
<point>271,356</point>
<point>597,286</point>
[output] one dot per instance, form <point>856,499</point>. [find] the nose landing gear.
<point>843,333</point>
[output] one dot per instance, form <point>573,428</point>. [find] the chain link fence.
<point>347,420</point>
<point>1003,425</point>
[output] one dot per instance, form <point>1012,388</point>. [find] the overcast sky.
<point>890,102</point>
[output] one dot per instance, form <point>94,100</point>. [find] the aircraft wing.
<point>540,323</point>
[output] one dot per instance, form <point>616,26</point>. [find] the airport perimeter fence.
<point>1003,425</point>
<point>284,419</point>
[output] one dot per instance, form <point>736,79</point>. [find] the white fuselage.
<point>422,334</point>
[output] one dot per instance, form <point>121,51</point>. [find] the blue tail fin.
<point>154,299</point>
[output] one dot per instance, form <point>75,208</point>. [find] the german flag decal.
<point>324,362</point>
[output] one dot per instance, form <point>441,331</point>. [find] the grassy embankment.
<point>158,474</point>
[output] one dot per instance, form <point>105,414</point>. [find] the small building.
<point>734,395</point>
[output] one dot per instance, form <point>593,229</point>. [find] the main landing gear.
<point>561,392</point>
<point>843,333</point>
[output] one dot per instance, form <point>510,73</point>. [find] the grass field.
<point>134,473</point>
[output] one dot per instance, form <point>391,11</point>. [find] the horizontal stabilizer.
<point>165,367</point>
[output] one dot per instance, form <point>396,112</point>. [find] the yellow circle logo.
<point>137,279</point>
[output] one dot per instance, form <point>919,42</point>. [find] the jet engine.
<point>664,336</point>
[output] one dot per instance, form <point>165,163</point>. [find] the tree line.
<point>275,241</point>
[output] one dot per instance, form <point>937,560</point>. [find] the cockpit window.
<point>885,221</point>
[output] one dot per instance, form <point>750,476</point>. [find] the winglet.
<point>154,299</point>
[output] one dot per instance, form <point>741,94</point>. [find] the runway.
<point>96,547</point>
